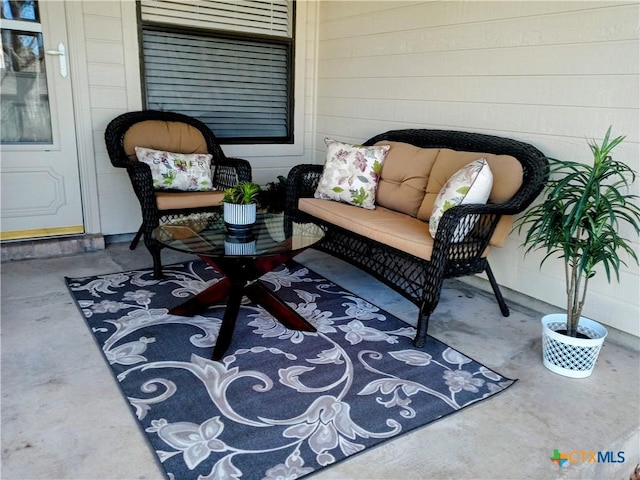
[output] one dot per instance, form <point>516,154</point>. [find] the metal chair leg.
<point>496,291</point>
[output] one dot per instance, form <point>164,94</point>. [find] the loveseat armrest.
<point>477,221</point>
<point>302,182</point>
<point>463,236</point>
<point>487,216</point>
<point>507,208</point>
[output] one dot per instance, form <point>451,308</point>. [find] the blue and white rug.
<point>282,403</point>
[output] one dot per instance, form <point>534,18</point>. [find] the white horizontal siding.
<point>551,73</point>
<point>377,17</point>
<point>428,31</point>
<point>99,52</point>
<point>105,9</point>
<point>107,75</point>
<point>99,27</point>
<point>114,88</point>
<point>513,89</point>
<point>508,61</point>
<point>492,118</point>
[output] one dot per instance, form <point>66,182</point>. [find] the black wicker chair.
<point>172,132</point>
<point>417,279</point>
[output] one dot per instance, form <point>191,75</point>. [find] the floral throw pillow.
<point>471,184</point>
<point>189,172</point>
<point>351,173</point>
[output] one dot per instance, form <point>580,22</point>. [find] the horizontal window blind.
<point>269,17</point>
<point>239,88</point>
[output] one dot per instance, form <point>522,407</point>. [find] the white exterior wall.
<point>552,74</point>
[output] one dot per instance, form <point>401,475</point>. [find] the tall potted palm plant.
<point>580,220</point>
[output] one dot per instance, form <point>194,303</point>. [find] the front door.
<point>39,170</point>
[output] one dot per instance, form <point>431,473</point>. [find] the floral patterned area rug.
<point>282,403</point>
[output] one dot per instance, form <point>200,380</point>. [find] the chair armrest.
<point>142,182</point>
<point>230,171</point>
<point>120,160</point>
<point>302,182</point>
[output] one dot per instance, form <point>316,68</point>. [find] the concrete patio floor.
<point>63,416</point>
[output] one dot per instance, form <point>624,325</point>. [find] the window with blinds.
<point>227,63</point>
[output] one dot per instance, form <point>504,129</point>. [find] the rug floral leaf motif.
<point>282,403</point>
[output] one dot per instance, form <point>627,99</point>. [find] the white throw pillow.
<point>177,171</point>
<point>469,185</point>
<point>351,173</point>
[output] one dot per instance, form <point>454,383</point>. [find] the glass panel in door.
<point>26,116</point>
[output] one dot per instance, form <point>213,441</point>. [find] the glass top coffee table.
<point>242,258</point>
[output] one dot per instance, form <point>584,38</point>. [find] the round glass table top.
<point>272,234</point>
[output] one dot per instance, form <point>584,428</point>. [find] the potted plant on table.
<point>240,205</point>
<point>580,221</point>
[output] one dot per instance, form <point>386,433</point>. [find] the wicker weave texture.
<point>418,280</point>
<point>226,172</point>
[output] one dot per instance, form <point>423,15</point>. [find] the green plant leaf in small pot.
<point>243,193</point>
<point>581,218</point>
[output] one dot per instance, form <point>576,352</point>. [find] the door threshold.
<point>51,247</point>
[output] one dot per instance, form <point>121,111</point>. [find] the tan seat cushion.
<point>398,230</point>
<point>180,200</point>
<point>404,177</point>
<point>175,137</point>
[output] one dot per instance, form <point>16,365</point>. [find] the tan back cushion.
<point>175,137</point>
<point>404,177</point>
<point>506,170</point>
<point>502,231</point>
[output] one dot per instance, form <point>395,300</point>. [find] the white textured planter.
<point>234,247</point>
<point>569,356</point>
<point>239,216</point>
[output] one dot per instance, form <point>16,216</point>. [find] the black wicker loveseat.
<point>421,279</point>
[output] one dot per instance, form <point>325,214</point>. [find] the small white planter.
<point>239,216</point>
<point>569,356</point>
